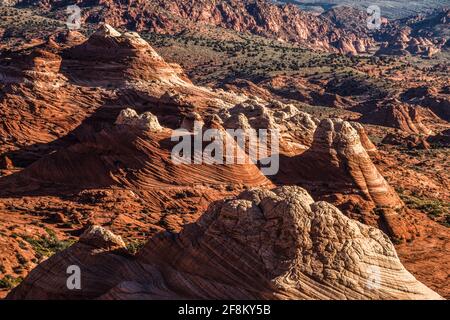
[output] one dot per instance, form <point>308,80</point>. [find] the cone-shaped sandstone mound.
<point>263,244</point>
<point>136,153</point>
<point>119,58</point>
<point>50,90</point>
<point>338,168</point>
<point>338,159</point>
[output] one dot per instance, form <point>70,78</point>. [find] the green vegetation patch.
<point>48,245</point>
<point>437,210</point>
<point>9,282</point>
<point>134,246</point>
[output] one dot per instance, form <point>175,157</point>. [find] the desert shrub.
<point>9,282</point>
<point>48,245</point>
<point>134,246</point>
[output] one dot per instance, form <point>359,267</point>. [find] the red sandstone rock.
<point>263,244</point>
<point>394,114</point>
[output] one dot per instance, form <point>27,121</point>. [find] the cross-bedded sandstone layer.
<point>263,244</point>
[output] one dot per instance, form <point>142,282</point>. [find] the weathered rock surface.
<point>296,128</point>
<point>364,138</point>
<point>146,120</point>
<point>423,34</point>
<point>410,141</point>
<point>99,237</point>
<point>279,21</point>
<point>263,244</point>
<point>298,88</point>
<point>394,114</point>
<point>67,159</point>
<point>339,169</point>
<point>438,101</point>
<point>76,157</point>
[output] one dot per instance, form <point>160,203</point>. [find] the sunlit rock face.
<point>262,244</point>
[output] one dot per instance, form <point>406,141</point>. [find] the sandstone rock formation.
<point>298,88</point>
<point>120,59</point>
<point>263,244</point>
<point>126,157</point>
<point>423,34</point>
<point>406,140</point>
<point>32,92</point>
<point>74,154</point>
<point>436,100</point>
<point>146,121</point>
<point>338,168</point>
<point>6,163</point>
<point>403,44</point>
<point>296,128</point>
<point>259,17</point>
<point>99,237</point>
<point>365,140</point>
<point>394,114</point>
<point>190,120</point>
<point>441,139</point>
<point>71,82</point>
<point>59,104</point>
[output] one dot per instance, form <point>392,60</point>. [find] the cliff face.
<point>424,35</point>
<point>263,244</point>
<point>278,21</point>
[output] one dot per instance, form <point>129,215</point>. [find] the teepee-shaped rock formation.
<point>146,121</point>
<point>119,59</point>
<point>337,156</point>
<point>338,168</point>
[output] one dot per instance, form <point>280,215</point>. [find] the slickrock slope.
<point>364,138</point>
<point>342,29</point>
<point>135,153</point>
<point>393,113</point>
<point>296,128</point>
<point>85,139</point>
<point>263,244</point>
<point>437,100</point>
<point>37,103</point>
<point>337,167</point>
<point>299,89</point>
<point>120,59</point>
<point>70,163</point>
<point>70,82</point>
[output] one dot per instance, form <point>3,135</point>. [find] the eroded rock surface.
<point>263,244</point>
<point>145,120</point>
<point>338,168</point>
<point>396,115</point>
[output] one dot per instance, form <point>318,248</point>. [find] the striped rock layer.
<point>262,244</point>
